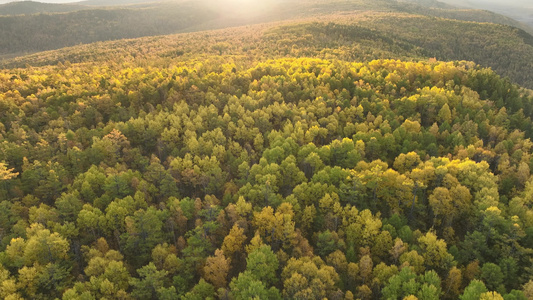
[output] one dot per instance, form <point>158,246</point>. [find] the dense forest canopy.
<point>291,178</point>
<point>341,156</point>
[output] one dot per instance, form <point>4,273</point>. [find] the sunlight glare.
<point>243,7</point>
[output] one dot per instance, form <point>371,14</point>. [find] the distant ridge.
<point>121,2</point>
<point>33,7</point>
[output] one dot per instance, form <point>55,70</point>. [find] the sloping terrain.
<point>32,7</point>
<point>32,33</point>
<point>348,36</point>
<point>521,10</point>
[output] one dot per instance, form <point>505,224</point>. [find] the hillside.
<point>32,7</point>
<point>30,33</point>
<point>359,36</point>
<point>234,177</point>
<point>122,2</point>
<point>39,32</point>
<point>521,10</point>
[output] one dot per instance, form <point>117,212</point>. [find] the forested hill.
<point>32,7</point>
<point>521,10</point>
<point>361,36</point>
<point>30,32</point>
<point>232,177</point>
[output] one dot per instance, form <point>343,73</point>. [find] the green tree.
<point>247,286</point>
<point>263,264</point>
<point>150,284</point>
<point>144,230</point>
<point>474,290</point>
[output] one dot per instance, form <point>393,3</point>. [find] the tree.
<point>398,249</point>
<point>5,173</point>
<point>401,285</point>
<point>452,284</point>
<point>276,228</point>
<point>364,230</point>
<point>151,283</point>
<point>162,179</point>
<point>41,247</point>
<point>406,162</point>
<point>445,115</point>
<point>8,287</point>
<point>92,219</point>
<point>528,289</point>
<point>5,176</point>
<point>69,205</point>
<point>216,269</point>
<point>364,292</point>
<point>108,277</point>
<point>263,264</point>
<point>434,251</point>
<point>326,243</point>
<point>234,241</point>
<point>201,291</point>
<point>490,296</point>
<point>406,283</point>
<point>492,276</point>
<point>247,286</point>
<point>365,268</point>
<point>474,290</point>
<point>143,233</point>
<point>306,278</point>
<point>414,260</point>
<point>509,268</point>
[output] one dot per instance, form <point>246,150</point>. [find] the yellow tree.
<point>5,173</point>
<point>276,228</point>
<point>216,269</point>
<point>406,162</point>
<point>8,286</point>
<point>234,241</point>
<point>434,251</point>
<point>41,247</point>
<point>308,278</point>
<point>365,268</point>
<point>452,284</point>
<point>395,190</point>
<point>490,296</point>
<point>441,202</point>
<point>255,243</point>
<point>398,249</point>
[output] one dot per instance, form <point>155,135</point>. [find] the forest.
<point>27,27</point>
<point>342,156</point>
<point>291,178</point>
<point>357,36</point>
